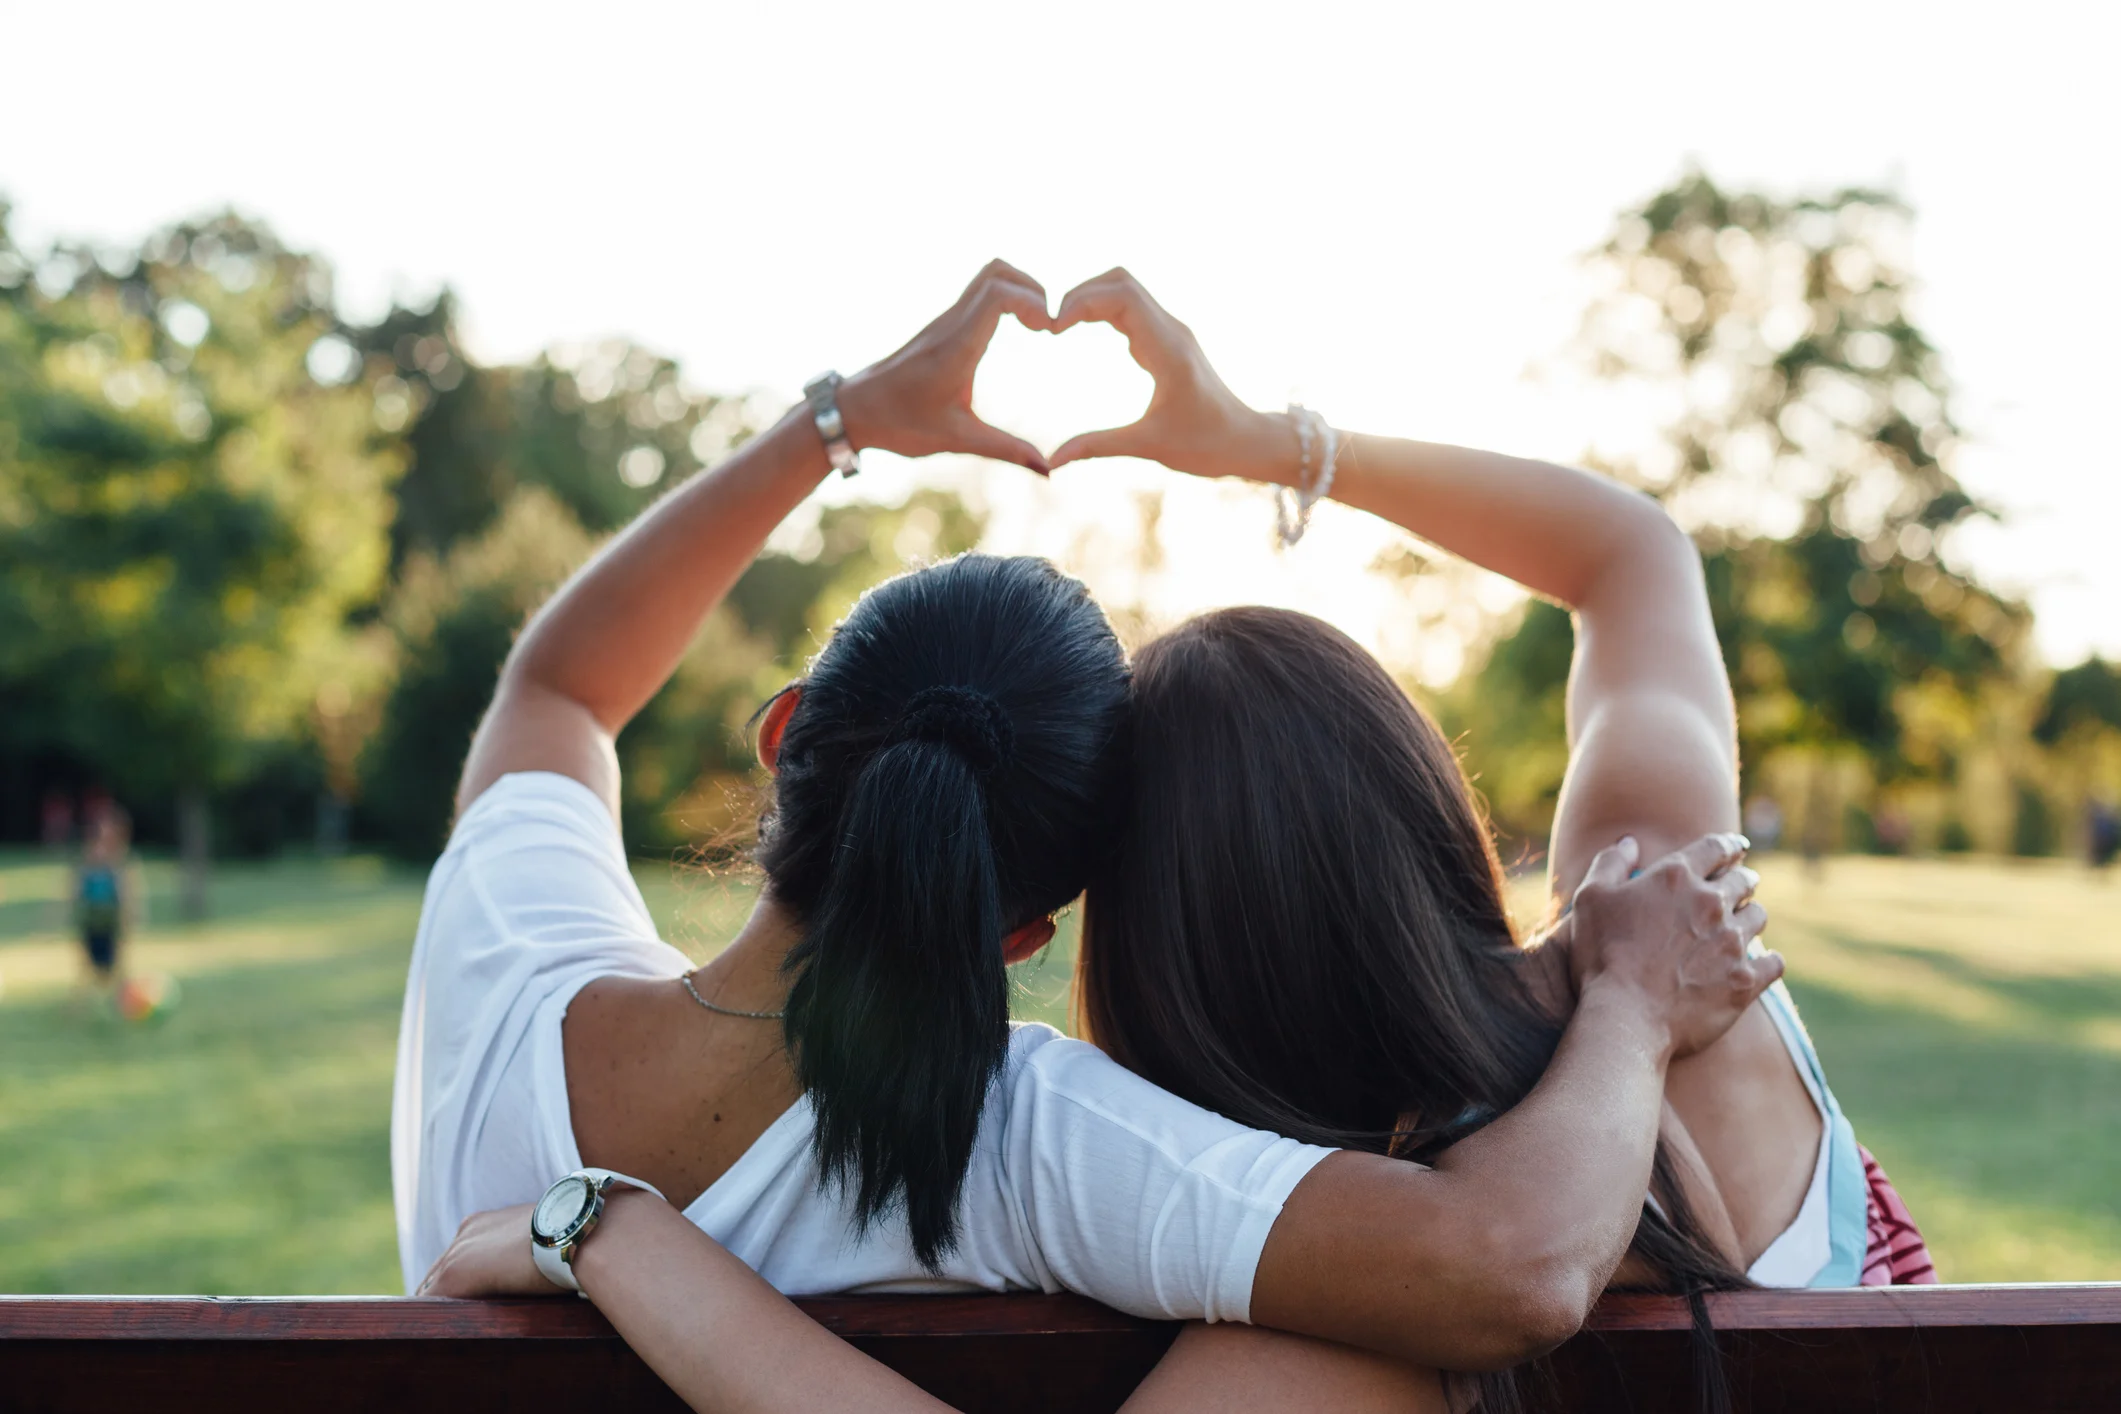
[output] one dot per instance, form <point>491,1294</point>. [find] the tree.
<point>1807,439</point>
<point>604,428</point>
<point>687,768</point>
<point>192,497</point>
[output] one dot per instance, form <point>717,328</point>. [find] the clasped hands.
<point>918,402</point>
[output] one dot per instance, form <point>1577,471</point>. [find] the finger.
<point>1613,865</point>
<point>997,269</point>
<point>1002,270</point>
<point>1108,442</point>
<point>1712,854</point>
<point>1750,921</point>
<point>1736,885</point>
<point>1762,972</point>
<point>1124,306</point>
<point>1026,302</point>
<point>982,440</point>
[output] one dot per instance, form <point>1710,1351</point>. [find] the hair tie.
<point>964,719</point>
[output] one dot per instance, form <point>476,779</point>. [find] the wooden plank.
<point>1028,1354</point>
<point>300,1318</point>
<point>2034,1305</point>
<point>1944,1350</point>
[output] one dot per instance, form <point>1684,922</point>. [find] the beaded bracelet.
<point>1311,429</point>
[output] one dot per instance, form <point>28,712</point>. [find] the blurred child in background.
<point>106,893</point>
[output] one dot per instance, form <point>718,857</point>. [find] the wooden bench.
<point>1936,1350</point>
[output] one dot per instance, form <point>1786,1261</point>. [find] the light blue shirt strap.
<point>1847,1189</point>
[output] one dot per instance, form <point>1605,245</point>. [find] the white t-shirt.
<point>1085,1176</point>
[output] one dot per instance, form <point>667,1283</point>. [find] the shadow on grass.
<point>2067,997</point>
<point>2026,1119</point>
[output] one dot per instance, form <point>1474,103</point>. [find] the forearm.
<point>1560,532</point>
<point>1569,1166</point>
<point>714,1331</point>
<point>1498,1252</point>
<point>613,635</point>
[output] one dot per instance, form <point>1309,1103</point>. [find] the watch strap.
<point>556,1264</point>
<point>822,395</point>
<point>553,1265</point>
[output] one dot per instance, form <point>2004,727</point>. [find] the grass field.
<point>1969,1014</point>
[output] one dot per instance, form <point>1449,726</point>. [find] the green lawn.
<point>1970,1014</point>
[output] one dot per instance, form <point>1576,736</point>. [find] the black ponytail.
<point>944,778</point>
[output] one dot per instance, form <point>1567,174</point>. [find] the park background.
<point>327,349</point>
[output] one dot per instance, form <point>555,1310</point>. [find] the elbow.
<point>1551,1308</point>
<point>1535,1319</point>
<point>1650,554</point>
<point>1659,540</point>
<point>1533,1299</point>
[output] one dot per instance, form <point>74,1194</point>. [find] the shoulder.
<point>535,877</point>
<point>1065,1095</point>
<point>1042,1060</point>
<point>527,800</point>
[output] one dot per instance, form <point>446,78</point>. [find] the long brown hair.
<point>1301,922</point>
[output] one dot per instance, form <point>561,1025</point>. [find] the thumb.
<point>1109,442</point>
<point>1614,864</point>
<point>981,440</point>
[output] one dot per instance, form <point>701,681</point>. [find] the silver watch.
<point>822,393</point>
<point>566,1215</point>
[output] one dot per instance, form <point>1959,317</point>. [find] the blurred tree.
<point>192,497</point>
<point>687,765</point>
<point>1806,444</point>
<point>605,428</point>
<point>453,621</point>
<point>215,579</point>
<point>2082,698</point>
<point>792,600</point>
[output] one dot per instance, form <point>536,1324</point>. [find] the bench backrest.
<point>1938,1350</point>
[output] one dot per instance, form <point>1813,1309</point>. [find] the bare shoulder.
<point>660,1090</point>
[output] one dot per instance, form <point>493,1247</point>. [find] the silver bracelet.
<point>1292,511</point>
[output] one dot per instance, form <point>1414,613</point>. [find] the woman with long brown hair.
<point>1302,925</point>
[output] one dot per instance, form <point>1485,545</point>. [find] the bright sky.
<point>1375,207</point>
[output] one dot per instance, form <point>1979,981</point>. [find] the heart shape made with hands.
<point>1046,388</point>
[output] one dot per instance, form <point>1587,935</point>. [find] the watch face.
<point>561,1208</point>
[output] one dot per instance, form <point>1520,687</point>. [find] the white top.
<point>1085,1177</point>
<point>1804,1247</point>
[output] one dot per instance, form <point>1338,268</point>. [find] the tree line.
<point>259,565</point>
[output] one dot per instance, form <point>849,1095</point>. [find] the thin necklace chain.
<point>694,993</point>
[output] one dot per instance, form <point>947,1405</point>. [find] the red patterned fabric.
<point>1897,1255</point>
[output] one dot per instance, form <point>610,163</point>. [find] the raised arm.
<point>603,645</point>
<point>1652,733</point>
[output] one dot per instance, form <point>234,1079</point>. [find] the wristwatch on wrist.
<point>566,1215</point>
<point>823,395</point>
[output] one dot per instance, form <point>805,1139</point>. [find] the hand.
<point>490,1257</point>
<point>1194,423</point>
<point>918,402</point>
<point>1678,933</point>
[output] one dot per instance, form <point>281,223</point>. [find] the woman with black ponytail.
<point>838,1100</point>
